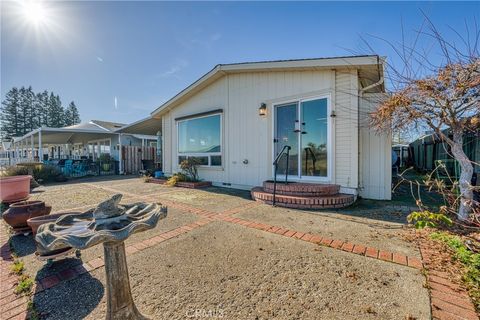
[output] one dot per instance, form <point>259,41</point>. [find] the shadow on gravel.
<point>57,266</point>
<point>23,245</point>
<point>74,299</point>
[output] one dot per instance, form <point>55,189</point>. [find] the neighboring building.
<point>427,150</point>
<point>81,141</point>
<point>401,153</point>
<point>238,117</point>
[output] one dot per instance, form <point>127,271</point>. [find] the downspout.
<point>360,96</point>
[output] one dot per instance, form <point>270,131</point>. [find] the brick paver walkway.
<point>448,301</point>
<point>12,306</point>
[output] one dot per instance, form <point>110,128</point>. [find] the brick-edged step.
<point>302,189</point>
<point>303,202</point>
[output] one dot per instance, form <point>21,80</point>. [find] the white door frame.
<point>330,148</point>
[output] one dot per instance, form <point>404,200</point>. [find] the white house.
<point>238,117</point>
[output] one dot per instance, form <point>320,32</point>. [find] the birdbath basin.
<point>109,223</point>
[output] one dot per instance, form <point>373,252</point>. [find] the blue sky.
<point>142,53</point>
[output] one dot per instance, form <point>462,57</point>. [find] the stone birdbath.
<point>109,223</point>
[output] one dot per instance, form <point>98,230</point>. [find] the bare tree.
<point>444,97</point>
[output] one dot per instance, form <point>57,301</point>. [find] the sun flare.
<point>34,12</point>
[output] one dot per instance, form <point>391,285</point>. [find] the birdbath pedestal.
<point>111,224</point>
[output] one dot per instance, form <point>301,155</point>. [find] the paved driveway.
<point>220,255</point>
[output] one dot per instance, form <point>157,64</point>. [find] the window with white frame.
<point>201,137</point>
<point>98,147</point>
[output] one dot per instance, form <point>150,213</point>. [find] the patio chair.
<point>80,168</point>
<point>68,167</point>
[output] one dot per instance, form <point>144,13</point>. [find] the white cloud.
<point>115,101</point>
<point>215,37</point>
<point>175,68</point>
<point>99,59</point>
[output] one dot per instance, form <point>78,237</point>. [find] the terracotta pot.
<point>36,222</point>
<point>14,188</point>
<point>18,213</point>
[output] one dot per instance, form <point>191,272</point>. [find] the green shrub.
<point>49,173</point>
<point>190,168</point>
<point>104,157</point>
<point>17,267</point>
<point>44,173</point>
<point>24,285</point>
<point>425,218</point>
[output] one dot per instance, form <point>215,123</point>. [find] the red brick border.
<point>12,306</point>
<point>393,257</point>
<point>448,300</point>
<point>96,263</point>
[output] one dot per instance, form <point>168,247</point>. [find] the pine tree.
<point>42,108</point>
<point>10,116</point>
<point>55,111</point>
<point>32,120</point>
<point>23,111</point>
<point>71,115</point>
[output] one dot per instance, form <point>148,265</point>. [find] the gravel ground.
<point>25,245</point>
<point>242,273</point>
<point>137,186</point>
<point>70,196</point>
<point>212,199</point>
<point>380,234</point>
<point>228,270</point>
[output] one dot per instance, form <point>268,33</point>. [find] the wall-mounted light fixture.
<point>262,111</point>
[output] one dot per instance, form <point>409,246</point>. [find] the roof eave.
<point>219,70</point>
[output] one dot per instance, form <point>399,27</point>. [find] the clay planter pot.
<point>14,188</point>
<point>18,213</point>
<point>36,222</point>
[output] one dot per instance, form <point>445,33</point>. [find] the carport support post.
<point>120,154</point>
<point>32,147</point>
<point>40,149</point>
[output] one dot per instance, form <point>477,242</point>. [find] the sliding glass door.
<point>304,126</point>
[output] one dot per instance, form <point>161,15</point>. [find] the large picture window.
<point>201,138</point>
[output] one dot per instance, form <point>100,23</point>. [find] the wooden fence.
<point>132,158</point>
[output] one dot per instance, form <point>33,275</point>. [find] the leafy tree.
<point>444,98</point>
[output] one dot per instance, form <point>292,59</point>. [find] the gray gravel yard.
<point>231,271</point>
<point>253,275</point>
<point>368,232</point>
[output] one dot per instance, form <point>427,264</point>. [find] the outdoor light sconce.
<point>262,111</point>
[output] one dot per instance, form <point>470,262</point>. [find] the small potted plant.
<point>104,160</point>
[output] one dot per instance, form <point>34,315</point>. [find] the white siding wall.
<point>346,128</point>
<point>375,155</point>
<point>248,136</point>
